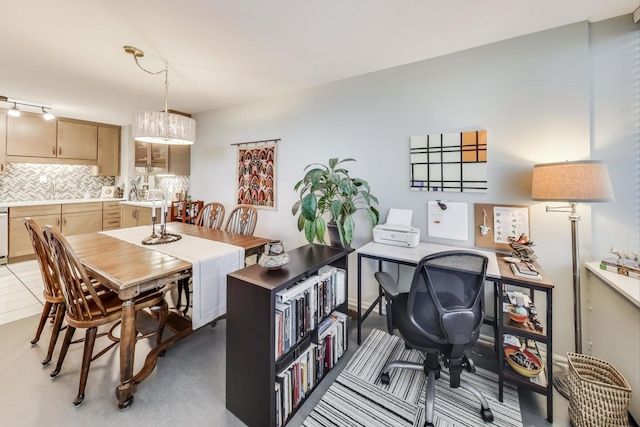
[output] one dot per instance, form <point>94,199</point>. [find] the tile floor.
<point>20,291</point>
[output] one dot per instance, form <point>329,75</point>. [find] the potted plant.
<point>329,189</point>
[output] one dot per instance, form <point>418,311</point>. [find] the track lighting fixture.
<point>47,115</point>
<point>15,112</point>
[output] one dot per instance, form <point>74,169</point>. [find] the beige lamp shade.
<point>581,181</point>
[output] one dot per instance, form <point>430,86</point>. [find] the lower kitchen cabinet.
<point>70,218</point>
<point>20,246</point>
<point>80,218</point>
<point>133,216</point>
<point>110,215</point>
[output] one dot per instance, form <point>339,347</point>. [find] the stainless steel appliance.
<point>4,235</point>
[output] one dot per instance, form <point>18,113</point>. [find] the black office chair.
<point>440,316</point>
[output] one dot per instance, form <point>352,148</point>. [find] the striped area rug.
<point>357,398</point>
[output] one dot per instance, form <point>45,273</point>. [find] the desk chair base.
<point>433,373</point>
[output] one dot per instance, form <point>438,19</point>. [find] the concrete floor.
<point>187,387</point>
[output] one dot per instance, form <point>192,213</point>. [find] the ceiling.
<point>69,54</point>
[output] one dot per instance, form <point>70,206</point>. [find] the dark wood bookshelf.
<point>251,300</point>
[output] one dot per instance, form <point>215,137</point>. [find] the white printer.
<point>397,230</point>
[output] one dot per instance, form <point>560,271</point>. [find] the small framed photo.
<point>108,191</point>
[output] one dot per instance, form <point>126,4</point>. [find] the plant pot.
<point>334,236</point>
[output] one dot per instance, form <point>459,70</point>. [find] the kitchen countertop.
<point>140,204</point>
<point>56,202</point>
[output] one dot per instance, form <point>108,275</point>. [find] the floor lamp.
<point>572,182</point>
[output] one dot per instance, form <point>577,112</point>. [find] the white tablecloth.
<point>211,261</point>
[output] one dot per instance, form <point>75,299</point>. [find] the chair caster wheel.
<point>487,415</point>
<point>385,378</point>
<point>471,366</point>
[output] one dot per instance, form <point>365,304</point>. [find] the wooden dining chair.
<point>52,293</point>
<point>211,216</point>
<point>88,309</point>
<point>242,220</point>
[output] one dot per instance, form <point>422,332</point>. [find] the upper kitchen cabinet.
<point>77,140</point>
<point>3,142</point>
<point>163,158</point>
<point>31,136</point>
<point>31,139</point>
<point>152,157</point>
<point>108,150</point>
<point>179,160</point>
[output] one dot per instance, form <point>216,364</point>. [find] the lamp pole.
<point>575,251</point>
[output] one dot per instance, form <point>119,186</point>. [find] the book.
<point>523,269</point>
<point>618,266</point>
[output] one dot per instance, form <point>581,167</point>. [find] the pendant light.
<point>161,127</point>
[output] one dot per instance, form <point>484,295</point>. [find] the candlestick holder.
<point>163,237</point>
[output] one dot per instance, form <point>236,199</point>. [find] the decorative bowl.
<point>517,317</point>
<point>273,262</point>
<point>533,363</point>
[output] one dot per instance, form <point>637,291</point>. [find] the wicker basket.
<point>600,395</point>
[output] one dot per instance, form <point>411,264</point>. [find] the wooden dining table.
<point>130,270</point>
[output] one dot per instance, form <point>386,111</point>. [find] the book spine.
<point>620,270</point>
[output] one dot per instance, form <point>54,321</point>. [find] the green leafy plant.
<point>328,189</point>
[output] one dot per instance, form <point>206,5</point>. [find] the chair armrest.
<point>388,284</point>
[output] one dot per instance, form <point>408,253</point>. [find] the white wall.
<point>531,93</point>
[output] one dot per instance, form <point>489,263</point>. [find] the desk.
<point>506,325</point>
<point>407,256</point>
<point>499,272</point>
<point>131,269</point>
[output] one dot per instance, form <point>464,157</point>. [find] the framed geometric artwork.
<point>450,162</point>
<point>256,174</point>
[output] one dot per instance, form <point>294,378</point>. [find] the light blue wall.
<point>532,94</point>
<point>615,130</point>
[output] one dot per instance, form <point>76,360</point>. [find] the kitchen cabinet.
<point>133,216</point>
<point>20,246</point>
<point>108,151</point>
<point>151,157</point>
<point>29,138</point>
<point>3,142</point>
<point>30,135</point>
<point>110,215</point>
<point>80,218</point>
<point>162,158</point>
<point>70,218</point>
<point>77,140</point>
<point>179,160</point>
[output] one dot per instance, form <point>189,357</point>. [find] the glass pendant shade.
<point>158,127</point>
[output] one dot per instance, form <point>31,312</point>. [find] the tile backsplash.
<point>33,181</point>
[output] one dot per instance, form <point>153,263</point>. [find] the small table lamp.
<point>572,182</point>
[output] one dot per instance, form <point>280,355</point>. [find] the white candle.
<point>153,208</point>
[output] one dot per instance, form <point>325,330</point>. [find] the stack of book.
<point>300,307</point>
<point>525,270</point>
<point>297,379</point>
<point>621,266</point>
<point>294,383</point>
